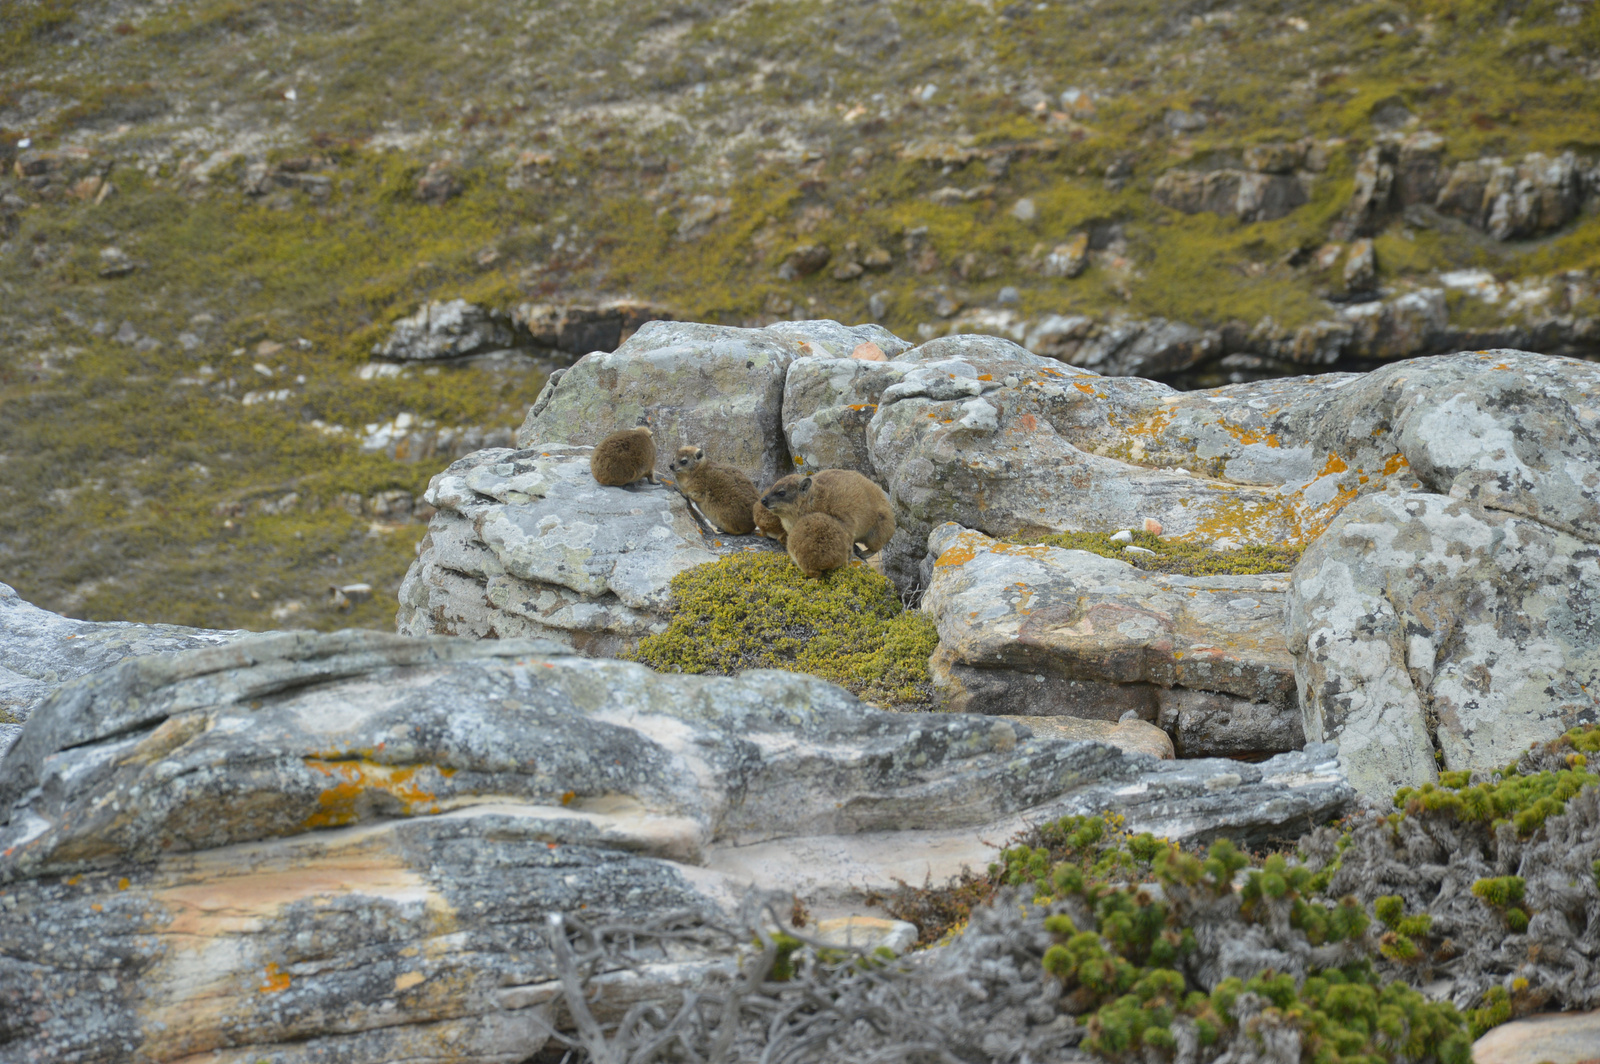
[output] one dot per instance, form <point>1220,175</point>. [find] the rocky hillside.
<point>212,212</point>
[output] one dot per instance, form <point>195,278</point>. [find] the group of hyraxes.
<point>820,519</point>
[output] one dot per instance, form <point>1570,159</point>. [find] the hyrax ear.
<point>699,454</point>
<point>805,485</point>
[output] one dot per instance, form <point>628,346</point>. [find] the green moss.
<point>757,611</point>
<point>1187,559</point>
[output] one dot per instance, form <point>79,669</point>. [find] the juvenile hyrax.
<point>725,495</point>
<point>854,501</point>
<point>768,523</point>
<point>624,457</point>
<point>818,543</point>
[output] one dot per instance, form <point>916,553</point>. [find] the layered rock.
<point>1053,632</point>
<point>1246,195</point>
<point>40,651</point>
<point>307,846</point>
<point>524,543</point>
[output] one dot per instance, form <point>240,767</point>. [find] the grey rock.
<point>827,405</point>
<point>1244,194</point>
<point>715,386</point>
<point>1045,631</point>
<point>1421,621</point>
<point>304,845</point>
<point>525,543</point>
<point>1513,201</point>
<point>578,328</point>
<point>446,330</point>
<point>40,650</point>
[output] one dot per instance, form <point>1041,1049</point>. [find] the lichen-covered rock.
<point>711,385</point>
<point>828,404</point>
<point>301,846</point>
<point>40,650</point>
<point>1132,735</point>
<point>526,544</point>
<point>1421,621</point>
<point>578,328</point>
<point>1052,632</point>
<point>446,330</point>
<point>1246,195</point>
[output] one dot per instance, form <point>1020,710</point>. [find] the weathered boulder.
<point>1045,631</point>
<point>1422,622</point>
<point>526,544</point>
<point>1552,1038</point>
<point>711,385</point>
<point>1006,442</point>
<point>1132,735</point>
<point>1510,201</point>
<point>827,406</point>
<point>446,330</point>
<point>301,847</point>
<point>40,650</point>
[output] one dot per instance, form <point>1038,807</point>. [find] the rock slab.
<point>303,846</point>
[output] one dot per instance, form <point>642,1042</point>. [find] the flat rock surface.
<point>526,544</point>
<point>1561,1038</point>
<point>300,845</point>
<point>1056,632</point>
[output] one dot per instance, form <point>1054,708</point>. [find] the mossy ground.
<point>758,611</point>
<point>1186,559</point>
<point>807,122</point>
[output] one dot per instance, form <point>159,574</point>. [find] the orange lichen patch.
<point>277,980</point>
<point>1249,436</point>
<point>1027,423</point>
<point>957,555</point>
<point>1395,463</point>
<point>1086,389</point>
<point>123,884</point>
<point>986,376</point>
<point>1154,425</point>
<point>1335,465</point>
<point>567,797</point>
<point>407,980</point>
<point>354,779</point>
<point>863,406</point>
<point>1026,550</point>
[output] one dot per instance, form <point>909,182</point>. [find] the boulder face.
<point>1045,631</point>
<point>301,846</point>
<point>715,386</point>
<point>525,544</point>
<point>1422,622</point>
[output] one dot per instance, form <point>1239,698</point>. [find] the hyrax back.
<point>818,543</point>
<point>724,494</point>
<point>845,495</point>
<point>624,457</point>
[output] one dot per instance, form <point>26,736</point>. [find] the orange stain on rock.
<point>1027,422</point>
<point>959,555</point>
<point>353,779</point>
<point>1395,463</point>
<point>276,980</point>
<point>1335,465</point>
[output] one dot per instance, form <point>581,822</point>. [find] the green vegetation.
<point>1171,556</point>
<point>1524,801</point>
<point>757,611</point>
<point>561,199</point>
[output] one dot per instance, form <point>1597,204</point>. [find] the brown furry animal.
<point>624,457</point>
<point>843,494</point>
<point>724,494</point>
<point>818,543</point>
<point>768,523</point>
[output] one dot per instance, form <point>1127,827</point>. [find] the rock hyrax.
<point>768,523</point>
<point>624,457</point>
<point>818,543</point>
<point>854,501</point>
<point>724,494</point>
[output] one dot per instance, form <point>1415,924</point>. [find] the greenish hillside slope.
<point>211,211</point>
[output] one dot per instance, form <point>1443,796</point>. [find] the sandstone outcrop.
<point>1046,631</point>
<point>300,846</point>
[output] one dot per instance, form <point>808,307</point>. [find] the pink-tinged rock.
<point>1558,1038</point>
<point>869,352</point>
<point>1152,526</point>
<point>1133,736</point>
